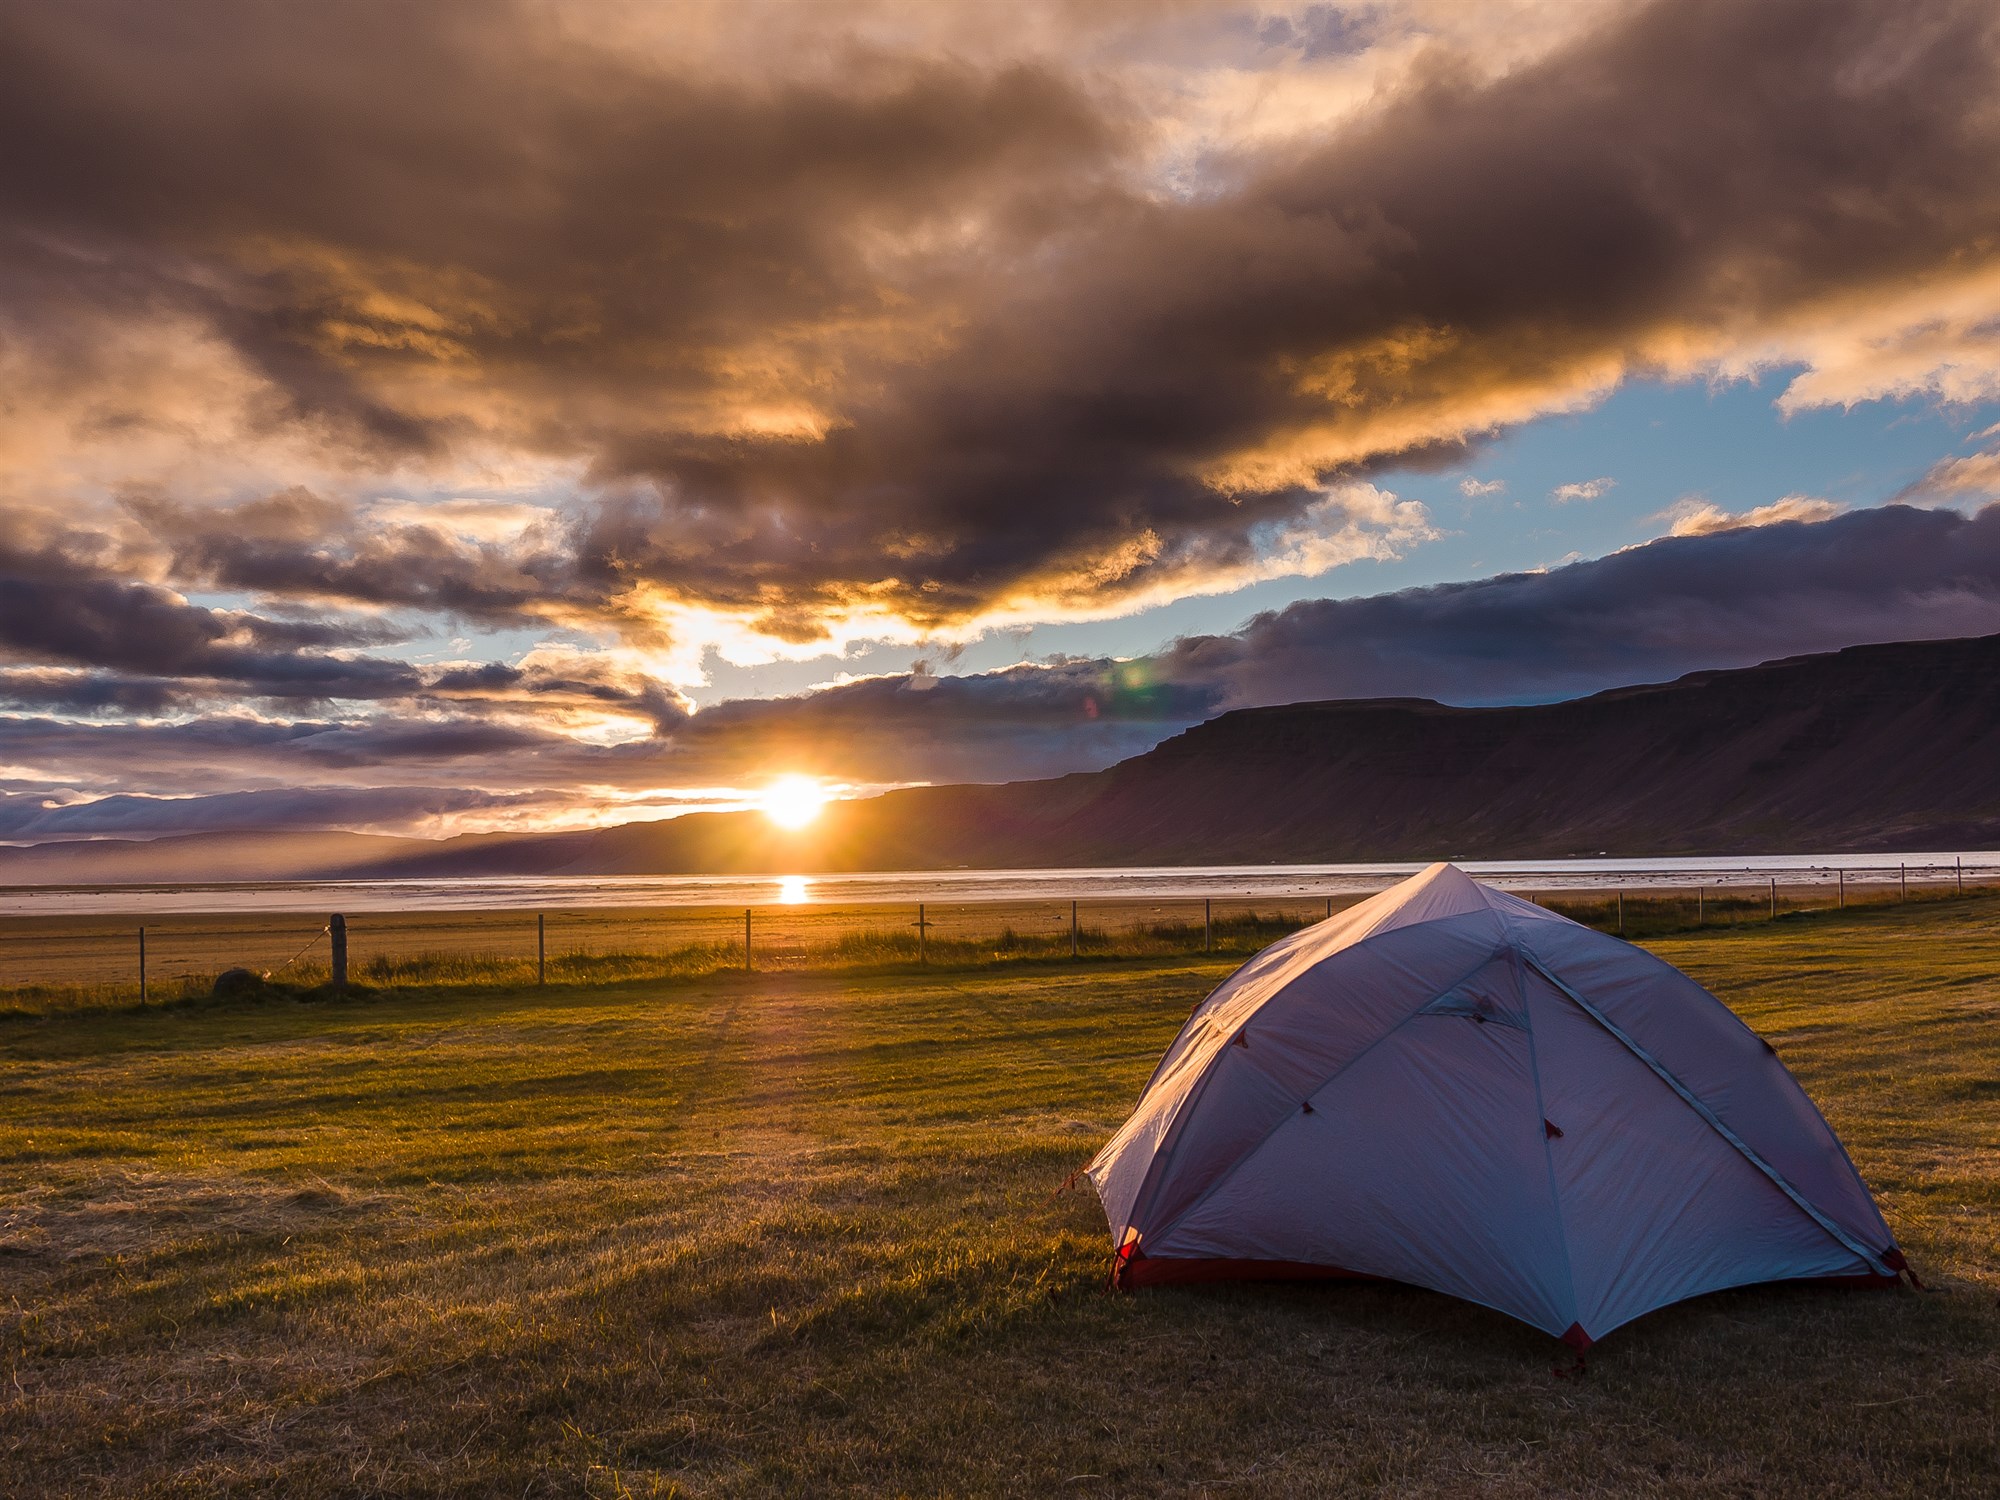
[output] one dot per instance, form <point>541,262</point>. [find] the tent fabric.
<point>1449,1086</point>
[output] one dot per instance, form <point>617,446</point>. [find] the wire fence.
<point>173,956</point>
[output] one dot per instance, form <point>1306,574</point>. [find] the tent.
<point>1452,1087</point>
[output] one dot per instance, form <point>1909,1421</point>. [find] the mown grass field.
<point>793,1233</point>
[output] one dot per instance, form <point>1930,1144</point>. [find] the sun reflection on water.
<point>792,890</point>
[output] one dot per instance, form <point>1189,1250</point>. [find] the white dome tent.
<point>1452,1087</point>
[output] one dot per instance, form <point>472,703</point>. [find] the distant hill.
<point>1875,747</point>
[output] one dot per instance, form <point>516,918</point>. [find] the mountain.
<point>1875,747</point>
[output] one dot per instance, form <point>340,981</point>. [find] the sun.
<point>793,801</point>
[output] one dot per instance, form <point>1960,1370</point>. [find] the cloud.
<point>1479,489</point>
<point>826,336</point>
<point>1588,489</point>
<point>1973,476</point>
<point>1694,517</point>
<point>1730,597</point>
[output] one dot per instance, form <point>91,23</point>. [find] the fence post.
<point>923,955</point>
<point>1843,889</point>
<point>1072,929</point>
<point>1958,864</point>
<point>1902,882</point>
<point>1329,908</point>
<point>541,948</point>
<point>336,926</point>
<point>1700,915</point>
<point>1774,897</point>
<point>1207,925</point>
<point>142,966</point>
<point>746,940</point>
<point>1621,911</point>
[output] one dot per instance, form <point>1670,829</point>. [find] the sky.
<point>496,416</point>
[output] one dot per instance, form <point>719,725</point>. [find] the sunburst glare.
<point>793,801</point>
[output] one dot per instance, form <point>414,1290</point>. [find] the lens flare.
<point>793,801</point>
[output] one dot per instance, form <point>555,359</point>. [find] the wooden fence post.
<point>1621,911</point>
<point>1700,916</point>
<point>1072,929</point>
<point>1958,864</point>
<point>923,954</point>
<point>1902,882</point>
<point>1774,897</point>
<point>1207,925</point>
<point>142,966</point>
<point>1329,908</point>
<point>336,926</point>
<point>541,948</point>
<point>746,940</point>
<point>1843,890</point>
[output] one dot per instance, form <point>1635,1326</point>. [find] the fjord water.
<point>965,886</point>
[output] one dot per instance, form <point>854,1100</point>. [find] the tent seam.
<point>1548,1155</point>
<point>1868,1258</point>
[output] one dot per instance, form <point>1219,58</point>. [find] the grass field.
<point>793,1233</point>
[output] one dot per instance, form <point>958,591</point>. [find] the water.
<point>969,886</point>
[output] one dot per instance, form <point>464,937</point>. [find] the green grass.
<point>794,1233</point>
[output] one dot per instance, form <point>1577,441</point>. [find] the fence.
<point>165,956</point>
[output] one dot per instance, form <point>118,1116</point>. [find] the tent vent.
<point>1552,1130</point>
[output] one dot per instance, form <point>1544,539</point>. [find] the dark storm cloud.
<point>303,546</point>
<point>1680,604</point>
<point>917,331</point>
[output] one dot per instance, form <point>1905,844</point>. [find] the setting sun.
<point>793,801</point>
